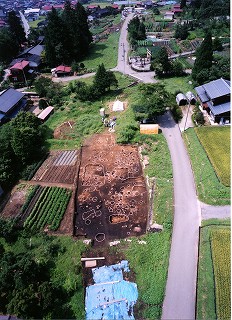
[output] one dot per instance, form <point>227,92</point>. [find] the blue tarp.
<point>111,297</point>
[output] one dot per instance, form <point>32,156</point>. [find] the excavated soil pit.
<point>112,199</point>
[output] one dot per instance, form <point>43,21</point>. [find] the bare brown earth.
<point>64,131</point>
<point>15,201</point>
<point>112,199</point>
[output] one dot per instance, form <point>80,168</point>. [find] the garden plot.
<point>59,167</point>
<point>112,199</point>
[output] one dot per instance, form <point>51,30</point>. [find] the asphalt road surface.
<point>180,296</point>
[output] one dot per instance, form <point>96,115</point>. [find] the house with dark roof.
<point>11,102</point>
<point>215,99</point>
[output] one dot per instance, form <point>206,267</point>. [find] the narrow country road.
<point>180,296</point>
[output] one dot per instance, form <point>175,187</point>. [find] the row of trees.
<point>67,36</point>
<point>21,143</point>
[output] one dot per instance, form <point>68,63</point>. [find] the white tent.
<point>118,106</point>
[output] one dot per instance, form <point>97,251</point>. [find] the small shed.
<point>44,115</point>
<point>181,99</point>
<point>191,97</point>
<point>169,15</point>
<point>62,71</point>
<point>118,106</point>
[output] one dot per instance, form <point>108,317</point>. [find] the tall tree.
<point>182,4</point>
<point>154,100</point>
<point>57,40</point>
<point>16,28</point>
<point>86,36</point>
<point>8,46</point>
<point>161,63</point>
<point>104,79</point>
<point>26,137</point>
<point>204,56</point>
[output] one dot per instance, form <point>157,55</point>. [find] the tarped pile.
<point>110,297</point>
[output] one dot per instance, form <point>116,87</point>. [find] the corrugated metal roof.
<point>45,113</point>
<point>219,108</point>
<point>37,50</point>
<point>217,88</point>
<point>8,99</point>
<point>180,98</point>
<point>201,94</point>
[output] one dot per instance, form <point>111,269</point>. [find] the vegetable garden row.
<point>220,243</point>
<point>48,209</point>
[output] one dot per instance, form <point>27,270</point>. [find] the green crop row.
<point>220,244</point>
<point>49,209</point>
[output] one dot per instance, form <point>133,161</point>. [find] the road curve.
<point>180,295</point>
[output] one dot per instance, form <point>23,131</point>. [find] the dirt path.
<point>50,184</point>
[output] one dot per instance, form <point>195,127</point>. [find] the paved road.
<point>25,24</point>
<point>123,65</point>
<point>179,302</point>
<point>218,212</point>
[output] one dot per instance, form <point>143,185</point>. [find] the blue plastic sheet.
<point>111,297</point>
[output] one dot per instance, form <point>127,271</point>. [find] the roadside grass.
<point>216,142</point>
<point>210,190</point>
<point>206,294</point>
<point>103,52</point>
<point>177,84</point>
<point>150,260</point>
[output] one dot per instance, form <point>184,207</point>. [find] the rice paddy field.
<point>213,284</point>
<point>216,142</point>
<point>210,189</point>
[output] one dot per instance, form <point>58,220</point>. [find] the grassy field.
<point>206,295</point>
<point>103,52</point>
<point>177,84</point>
<point>216,142</point>
<point>210,190</point>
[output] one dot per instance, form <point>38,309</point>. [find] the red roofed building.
<point>176,8</point>
<point>62,71</point>
<point>20,71</point>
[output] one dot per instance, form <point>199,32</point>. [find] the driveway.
<point>180,295</point>
<point>214,212</point>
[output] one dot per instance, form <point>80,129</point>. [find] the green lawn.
<point>177,84</point>
<point>103,52</point>
<point>33,24</point>
<point>210,190</point>
<point>216,142</point>
<point>206,294</point>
